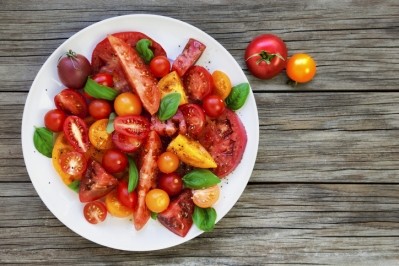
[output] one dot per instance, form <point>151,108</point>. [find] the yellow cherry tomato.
<point>301,68</point>
<point>168,162</point>
<point>127,103</point>
<point>98,135</point>
<point>205,198</point>
<point>115,207</point>
<point>222,84</point>
<point>157,200</point>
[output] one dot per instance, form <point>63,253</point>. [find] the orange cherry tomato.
<point>62,146</point>
<point>222,84</point>
<point>205,198</point>
<point>127,103</point>
<point>301,68</point>
<point>98,135</point>
<point>157,200</point>
<point>115,207</point>
<point>168,162</point>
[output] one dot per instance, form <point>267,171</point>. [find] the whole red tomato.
<point>266,56</point>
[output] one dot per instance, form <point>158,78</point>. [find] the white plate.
<point>63,202</point>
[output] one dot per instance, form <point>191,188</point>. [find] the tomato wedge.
<point>198,82</point>
<point>71,102</point>
<point>75,130</point>
<point>132,125</point>
<point>96,183</point>
<point>126,143</point>
<point>137,74</point>
<point>147,177</point>
<point>73,163</point>
<point>95,212</point>
<point>178,216</point>
<point>191,53</point>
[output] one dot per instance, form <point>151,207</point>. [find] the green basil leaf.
<point>99,91</point>
<point>237,96</point>
<point>110,126</point>
<point>168,106</point>
<point>204,218</point>
<point>143,48</point>
<point>154,215</point>
<point>43,141</point>
<point>74,185</point>
<point>133,175</point>
<point>200,178</point>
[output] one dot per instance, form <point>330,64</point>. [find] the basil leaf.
<point>143,48</point>
<point>74,185</point>
<point>43,141</point>
<point>237,96</point>
<point>168,106</point>
<point>133,175</point>
<point>110,126</point>
<point>154,215</point>
<point>204,218</point>
<point>99,91</point>
<point>200,178</point>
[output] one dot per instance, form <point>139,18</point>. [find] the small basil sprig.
<point>43,141</point>
<point>133,175</point>
<point>204,218</point>
<point>168,106</point>
<point>200,179</point>
<point>74,185</point>
<point>110,126</point>
<point>143,48</point>
<point>237,96</point>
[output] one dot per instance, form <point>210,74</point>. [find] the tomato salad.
<point>137,134</point>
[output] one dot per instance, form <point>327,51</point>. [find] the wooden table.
<point>325,188</point>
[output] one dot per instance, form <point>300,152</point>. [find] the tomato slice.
<point>75,130</point>
<point>95,212</point>
<point>137,74</point>
<point>73,163</point>
<point>115,207</point>
<point>205,198</point>
<point>126,143</point>
<point>225,139</point>
<point>195,118</point>
<point>132,125</point>
<point>147,177</point>
<point>104,58</point>
<point>191,53</point>
<point>96,183</point>
<point>71,102</point>
<point>198,82</point>
<point>178,216</point>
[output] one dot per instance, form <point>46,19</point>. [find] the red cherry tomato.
<point>213,105</point>
<point>172,183</point>
<point>73,163</point>
<point>77,134</point>
<point>195,118</point>
<point>104,79</point>
<point>99,109</point>
<point>114,161</point>
<point>127,199</point>
<point>132,125</point>
<point>54,120</point>
<point>71,102</point>
<point>198,82</point>
<point>160,66</point>
<point>126,143</point>
<point>95,212</point>
<point>266,56</point>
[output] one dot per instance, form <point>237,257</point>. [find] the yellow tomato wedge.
<point>62,146</point>
<point>115,207</point>
<point>191,152</point>
<point>172,83</point>
<point>222,84</point>
<point>98,135</point>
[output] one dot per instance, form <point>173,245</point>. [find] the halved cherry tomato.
<point>157,200</point>
<point>114,161</point>
<point>54,120</point>
<point>115,207</point>
<point>222,84</point>
<point>206,197</point>
<point>128,199</point>
<point>172,183</point>
<point>104,79</point>
<point>71,102</point>
<point>198,82</point>
<point>127,103</point>
<point>62,146</point>
<point>190,54</point>
<point>301,68</point>
<point>73,163</point>
<point>98,135</point>
<point>76,133</point>
<point>213,105</point>
<point>126,143</point>
<point>99,109</point>
<point>168,162</point>
<point>195,118</point>
<point>160,66</point>
<point>95,212</point>
<point>132,125</point>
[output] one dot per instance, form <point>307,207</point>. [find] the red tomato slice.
<point>178,216</point>
<point>95,212</point>
<point>147,177</point>
<point>126,143</point>
<point>75,130</point>
<point>225,139</point>
<point>73,163</point>
<point>195,118</point>
<point>137,74</point>
<point>191,53</point>
<point>132,125</point>
<point>71,102</point>
<point>198,82</point>
<point>96,183</point>
<point>104,58</point>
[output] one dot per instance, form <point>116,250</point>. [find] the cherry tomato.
<point>71,102</point>
<point>98,135</point>
<point>75,130</point>
<point>213,105</point>
<point>95,212</point>
<point>132,125</point>
<point>157,200</point>
<point>301,68</point>
<point>115,207</point>
<point>160,66</point>
<point>73,163</point>
<point>266,56</point>
<point>73,70</point>
<point>126,143</point>
<point>168,162</point>
<point>114,161</point>
<point>195,118</point>
<point>222,84</point>
<point>127,103</point>
<point>205,198</point>
<point>172,183</point>
<point>54,120</point>
<point>127,199</point>
<point>99,109</point>
<point>198,82</point>
<point>104,79</point>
